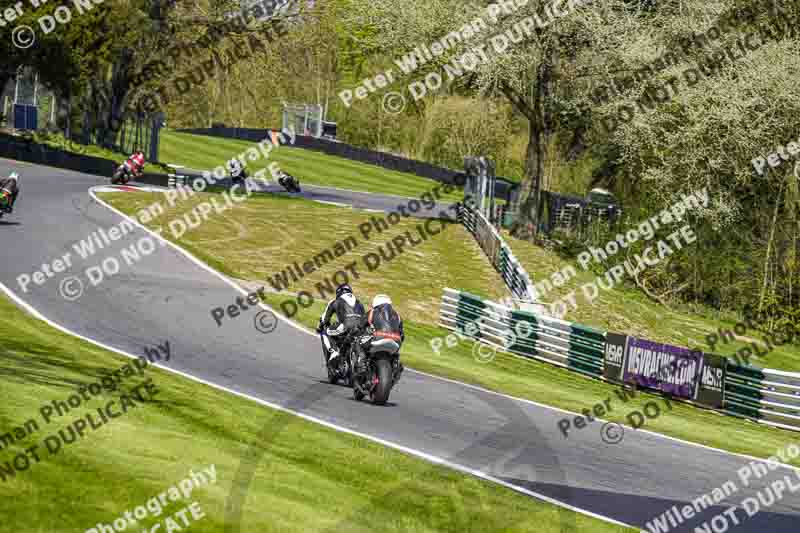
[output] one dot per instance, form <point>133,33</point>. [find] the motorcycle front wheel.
<point>332,377</point>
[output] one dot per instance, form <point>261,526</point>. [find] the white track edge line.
<point>552,408</point>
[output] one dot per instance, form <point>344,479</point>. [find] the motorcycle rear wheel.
<point>380,392</point>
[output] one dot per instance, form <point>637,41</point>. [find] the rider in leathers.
<point>135,163</point>
<point>238,174</point>
<point>349,313</point>
<point>385,323</point>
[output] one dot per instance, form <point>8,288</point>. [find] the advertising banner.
<point>670,369</point>
<point>614,356</point>
<point>712,381</point>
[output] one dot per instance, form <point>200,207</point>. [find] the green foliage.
<point>704,137</point>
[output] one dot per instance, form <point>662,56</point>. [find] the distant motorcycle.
<point>289,182</point>
<point>381,368</point>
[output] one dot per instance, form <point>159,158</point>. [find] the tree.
<point>529,55</point>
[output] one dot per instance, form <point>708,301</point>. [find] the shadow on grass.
<point>34,365</point>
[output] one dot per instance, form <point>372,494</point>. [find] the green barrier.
<point>570,345</point>
<point>763,395</point>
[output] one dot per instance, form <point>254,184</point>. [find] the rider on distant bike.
<point>288,182</point>
<point>9,191</point>
<point>236,169</point>
<point>349,314</point>
<point>135,163</point>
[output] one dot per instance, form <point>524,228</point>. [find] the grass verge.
<point>551,385</point>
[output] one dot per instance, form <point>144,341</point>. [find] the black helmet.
<point>344,288</point>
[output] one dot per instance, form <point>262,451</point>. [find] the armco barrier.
<point>498,252</point>
<point>769,396</point>
<point>763,395</point>
<point>561,343</point>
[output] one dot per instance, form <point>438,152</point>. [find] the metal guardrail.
<point>769,396</point>
<point>177,178</point>
<point>499,253</point>
<point>555,341</point>
<point>764,395</point>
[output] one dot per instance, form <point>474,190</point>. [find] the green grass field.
<point>418,279</point>
<point>201,152</point>
<point>287,474</point>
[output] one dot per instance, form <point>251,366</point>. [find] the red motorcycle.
<point>132,168</point>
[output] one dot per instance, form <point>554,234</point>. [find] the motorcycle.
<point>122,175</point>
<point>289,182</point>
<point>381,367</point>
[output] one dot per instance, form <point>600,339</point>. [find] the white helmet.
<point>14,176</point>
<point>381,299</point>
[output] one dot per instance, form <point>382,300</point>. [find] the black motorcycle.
<point>379,371</point>
<point>289,182</point>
